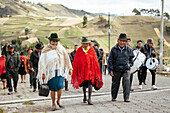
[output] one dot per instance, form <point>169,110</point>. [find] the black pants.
<point>34,79</point>
<point>105,67</point>
<point>140,77</point>
<point>31,75</point>
<point>66,84</point>
<point>116,83</point>
<point>131,79</point>
<point>100,65</point>
<point>144,74</point>
<point>14,73</point>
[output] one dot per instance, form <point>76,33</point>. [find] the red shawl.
<point>2,65</point>
<point>85,67</point>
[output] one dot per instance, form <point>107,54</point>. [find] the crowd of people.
<point>52,64</point>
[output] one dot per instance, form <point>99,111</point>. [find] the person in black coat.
<point>119,63</point>
<point>73,53</point>
<point>34,58</point>
<point>149,52</point>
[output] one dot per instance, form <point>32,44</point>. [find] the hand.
<point>43,76</point>
<point>111,74</point>
<point>153,52</point>
<point>32,69</point>
<point>70,72</point>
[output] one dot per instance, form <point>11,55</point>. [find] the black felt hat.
<point>54,37</point>
<point>122,36</point>
<point>85,40</point>
<point>38,46</point>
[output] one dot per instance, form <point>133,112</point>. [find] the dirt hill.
<point>17,7</point>
<point>136,28</point>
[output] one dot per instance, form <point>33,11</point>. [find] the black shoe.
<point>60,105</point>
<point>15,90</point>
<point>127,100</point>
<point>84,100</point>
<point>9,93</point>
<point>90,103</point>
<point>4,88</point>
<point>66,90</point>
<point>34,90</point>
<point>113,99</point>
<point>54,109</point>
<point>144,83</point>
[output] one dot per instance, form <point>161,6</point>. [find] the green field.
<point>136,27</point>
<point>73,32</point>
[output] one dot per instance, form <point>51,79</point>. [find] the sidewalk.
<point>145,100</point>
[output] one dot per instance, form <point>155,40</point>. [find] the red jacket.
<point>85,67</point>
<point>2,65</point>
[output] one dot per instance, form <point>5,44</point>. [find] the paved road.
<point>145,100</point>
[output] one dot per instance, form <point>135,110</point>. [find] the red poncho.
<point>85,67</point>
<point>2,65</point>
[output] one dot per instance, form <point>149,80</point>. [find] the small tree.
<point>85,21</point>
<point>137,12</point>
<point>167,15</point>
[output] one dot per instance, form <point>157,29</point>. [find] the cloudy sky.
<point>113,6</point>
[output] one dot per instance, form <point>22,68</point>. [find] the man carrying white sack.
<point>54,66</point>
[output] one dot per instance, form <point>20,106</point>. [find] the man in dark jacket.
<point>34,58</point>
<point>12,65</point>
<point>73,53</point>
<point>119,63</point>
<point>100,57</point>
<point>140,76</point>
<point>96,50</point>
<point>149,52</point>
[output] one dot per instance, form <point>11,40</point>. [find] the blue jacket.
<point>120,60</point>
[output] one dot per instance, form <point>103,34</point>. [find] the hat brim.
<point>86,42</point>
<point>56,40</point>
<point>123,39</point>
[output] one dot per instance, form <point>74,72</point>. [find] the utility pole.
<point>161,38</point>
<point>109,32</point>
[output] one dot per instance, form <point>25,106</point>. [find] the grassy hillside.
<point>12,7</point>
<point>136,27</point>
